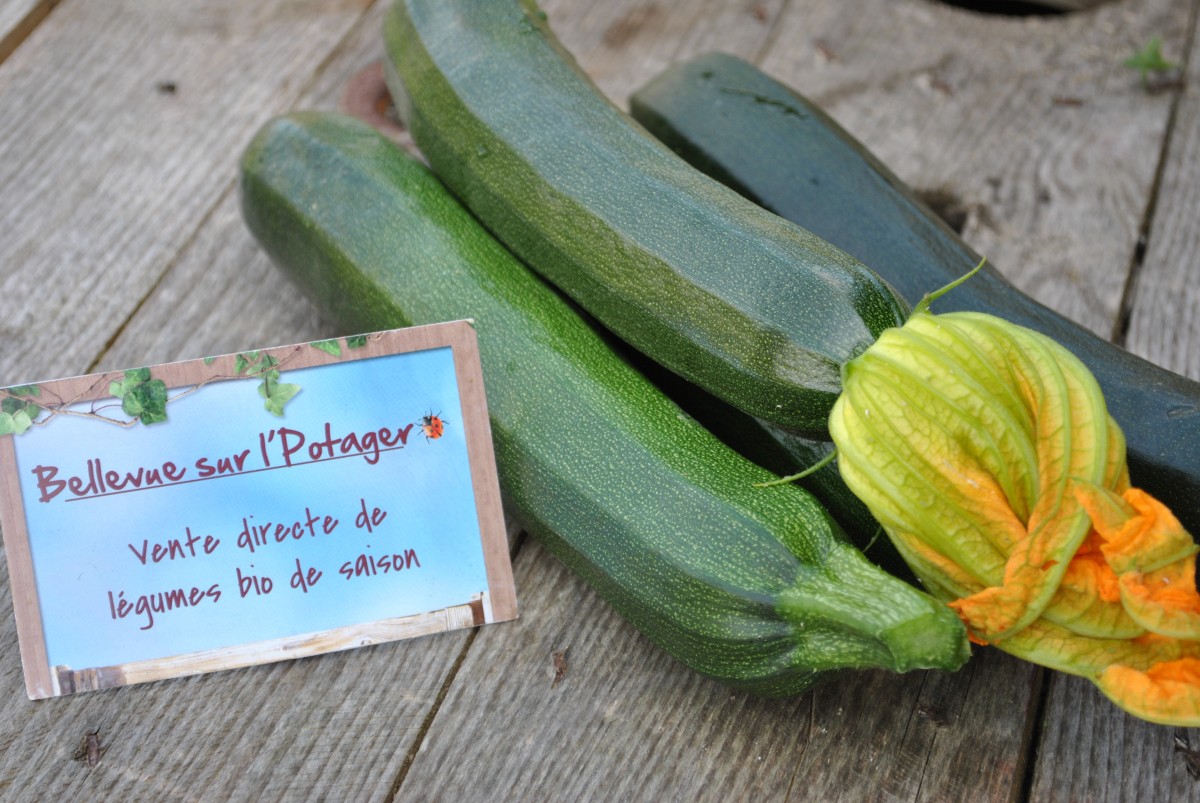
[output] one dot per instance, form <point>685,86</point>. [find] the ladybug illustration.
<point>433,426</point>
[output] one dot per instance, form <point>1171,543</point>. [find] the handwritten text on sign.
<point>238,510</point>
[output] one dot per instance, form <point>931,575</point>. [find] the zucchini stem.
<point>813,469</point>
<point>851,614</point>
<point>929,298</point>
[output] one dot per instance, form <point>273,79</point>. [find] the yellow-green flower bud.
<point>986,452</point>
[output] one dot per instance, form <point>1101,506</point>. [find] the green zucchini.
<point>784,453</point>
<point>753,586</point>
<point>753,309</point>
<point>770,144</point>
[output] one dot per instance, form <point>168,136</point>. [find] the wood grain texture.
<point>220,294</point>
<point>1092,751</point>
<point>626,722</point>
<point>118,129</point>
<point>1165,321</point>
<point>1031,123</point>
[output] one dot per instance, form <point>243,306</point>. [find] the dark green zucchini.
<point>752,308</point>
<point>755,587</point>
<point>770,144</point>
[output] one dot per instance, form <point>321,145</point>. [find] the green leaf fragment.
<point>1150,60</point>
<point>147,402</point>
<point>24,390</point>
<point>21,421</point>
<point>276,394</point>
<point>356,341</point>
<point>23,411</point>
<point>142,398</point>
<point>330,347</point>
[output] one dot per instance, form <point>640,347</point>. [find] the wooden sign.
<point>249,508</point>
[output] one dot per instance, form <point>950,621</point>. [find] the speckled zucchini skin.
<point>754,309</point>
<point>755,587</point>
<point>759,137</point>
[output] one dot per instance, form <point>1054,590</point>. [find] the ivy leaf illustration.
<point>330,347</point>
<point>252,363</point>
<point>14,423</point>
<point>22,413</point>
<point>276,394</point>
<point>21,421</point>
<point>356,341</point>
<point>151,399</point>
<point>141,397</point>
<point>24,390</point>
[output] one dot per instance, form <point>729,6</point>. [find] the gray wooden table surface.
<point>121,244</point>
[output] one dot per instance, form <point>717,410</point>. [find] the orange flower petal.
<point>1058,648</point>
<point>1167,693</point>
<point>1088,601</point>
<point>1031,577</point>
<point>1140,533</point>
<point>1152,555</point>
<point>1165,601</point>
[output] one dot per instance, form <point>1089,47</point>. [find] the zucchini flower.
<point>986,452</point>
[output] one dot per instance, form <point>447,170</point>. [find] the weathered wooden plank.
<point>1165,321</point>
<point>1089,750</point>
<point>117,128</point>
<point>18,19</point>
<point>221,294</point>
<point>1032,124</point>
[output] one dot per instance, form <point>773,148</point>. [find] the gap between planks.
<point>23,22</point>
<point>518,538</point>
<point>431,714</point>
